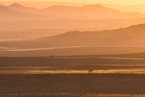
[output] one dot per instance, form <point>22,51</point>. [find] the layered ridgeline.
<point>84,19</point>
<point>87,11</point>
<point>11,15</point>
<point>126,40</point>
<point>20,12</point>
<point>89,17</point>
<point>131,36</point>
<point>68,11</point>
<point>17,17</point>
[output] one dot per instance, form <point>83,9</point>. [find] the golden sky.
<point>128,2</point>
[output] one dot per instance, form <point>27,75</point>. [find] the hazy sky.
<point>130,2</point>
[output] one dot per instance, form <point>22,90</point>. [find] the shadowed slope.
<point>131,36</point>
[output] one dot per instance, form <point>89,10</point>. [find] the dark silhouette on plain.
<point>90,71</point>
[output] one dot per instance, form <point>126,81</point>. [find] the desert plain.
<point>58,76</point>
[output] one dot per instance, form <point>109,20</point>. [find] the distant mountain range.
<point>131,36</point>
<point>11,15</point>
<point>40,4</point>
<point>96,11</point>
<point>21,8</point>
<point>89,17</point>
<point>85,24</point>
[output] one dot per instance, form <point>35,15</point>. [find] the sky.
<point>126,2</point>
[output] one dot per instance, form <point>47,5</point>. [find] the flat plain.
<point>118,75</point>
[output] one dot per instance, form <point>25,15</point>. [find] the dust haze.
<point>61,49</point>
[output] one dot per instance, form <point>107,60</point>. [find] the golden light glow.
<point>130,2</point>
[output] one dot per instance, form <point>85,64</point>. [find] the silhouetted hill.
<point>129,33</point>
<point>4,9</point>
<point>131,36</point>
<point>40,4</point>
<point>96,10</point>
<point>16,5</point>
<point>10,15</point>
<point>21,8</point>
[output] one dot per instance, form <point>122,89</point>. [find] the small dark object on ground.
<point>90,71</point>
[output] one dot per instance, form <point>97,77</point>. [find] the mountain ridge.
<point>130,36</point>
<point>8,14</point>
<point>92,11</point>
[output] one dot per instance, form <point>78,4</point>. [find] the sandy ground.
<point>71,95</point>
<point>71,84</point>
<point>16,83</point>
<point>12,51</point>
